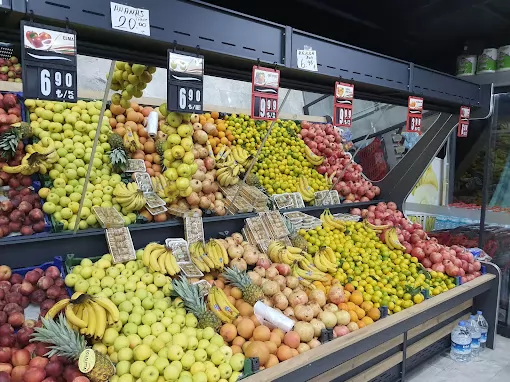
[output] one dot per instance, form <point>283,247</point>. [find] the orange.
<point>215,114</point>
<point>360,312</point>
<point>202,120</point>
<point>207,115</point>
<point>224,140</point>
<point>210,120</point>
<point>354,316</point>
<point>374,314</point>
<point>356,298</point>
<point>221,134</point>
<point>347,294</point>
<point>319,285</point>
<point>351,305</point>
<point>343,306</point>
<point>230,137</point>
<point>367,305</point>
<point>349,288</point>
<point>361,324</point>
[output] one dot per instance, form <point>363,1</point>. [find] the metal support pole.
<point>404,358</point>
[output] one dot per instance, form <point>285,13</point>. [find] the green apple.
<point>175,352</point>
<point>191,321</point>
<point>170,312</point>
<point>81,286</point>
<point>152,359</point>
<point>113,272</point>
<point>217,340</point>
<point>200,355</point>
<point>135,318</point>
<point>142,352</point>
<point>237,362</point>
<point>125,354</point>
<point>121,279</point>
<point>130,295</point>
<point>120,343</point>
<point>159,295</point>
<point>147,278</point>
<point>151,288</point>
<point>192,343</point>
<point>159,279</point>
<point>180,320</point>
<point>208,333</point>
<point>200,334</point>
<point>130,286</point>
<point>225,370</point>
<point>165,337</point>
<point>161,364</point>
<point>107,291</point>
<point>149,318</point>
<point>149,374</point>
<point>180,339</point>
<point>161,304</point>
<point>213,374</point>
<point>187,360</point>
<point>134,279</point>
<point>118,287</point>
<point>132,265</point>
<point>148,303</point>
<point>126,378</point>
<point>148,339</point>
<point>118,297</point>
<point>157,328</point>
<point>144,331</point>
<point>227,352</point>
<point>167,289</point>
<point>141,293</point>
<point>107,282</point>
<point>139,310</point>
<point>136,368</point>
<point>122,367</point>
<point>94,281</point>
<point>166,321</point>
<point>109,336</point>
<point>203,343</point>
<point>123,317</point>
<point>134,340</point>
<point>197,367</point>
<point>157,345</point>
<point>171,373</point>
<point>135,300</point>
<point>71,279</point>
<point>129,328</point>
<point>217,357</point>
<point>126,306</point>
<point>141,285</point>
<point>211,349</point>
<point>173,328</point>
<point>159,314</point>
<point>163,353</point>
<point>200,376</point>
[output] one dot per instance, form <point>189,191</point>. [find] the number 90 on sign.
<point>415,124</point>
<point>190,99</point>
<point>265,107</point>
<point>57,84</point>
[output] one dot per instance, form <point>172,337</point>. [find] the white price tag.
<point>129,19</point>
<point>307,59</point>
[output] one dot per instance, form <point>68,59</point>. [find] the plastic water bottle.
<point>460,350</point>
<point>483,326</point>
<point>475,336</point>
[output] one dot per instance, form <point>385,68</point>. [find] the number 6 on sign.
<point>45,82</point>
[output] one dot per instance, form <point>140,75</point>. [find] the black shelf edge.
<point>231,50</point>
<point>23,251</point>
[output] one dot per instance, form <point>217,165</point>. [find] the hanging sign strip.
<point>344,97</point>
<point>185,82</point>
<point>462,128</point>
<point>414,114</point>
<point>264,93</point>
<point>49,62</point>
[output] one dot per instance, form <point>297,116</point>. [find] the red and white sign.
<point>265,83</point>
<point>462,128</point>
<point>344,97</point>
<point>414,114</point>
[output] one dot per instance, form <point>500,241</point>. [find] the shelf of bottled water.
<point>469,338</point>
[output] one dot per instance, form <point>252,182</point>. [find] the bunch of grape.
<point>130,80</point>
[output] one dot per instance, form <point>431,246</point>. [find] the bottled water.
<point>475,336</point>
<point>461,343</point>
<point>483,326</point>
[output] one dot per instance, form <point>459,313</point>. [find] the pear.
<point>120,65</point>
<point>163,110</point>
<point>125,75</point>
<point>146,77</point>
<point>125,103</point>
<point>133,79</point>
<point>138,69</point>
<point>126,95</point>
<point>130,89</point>
<point>117,75</point>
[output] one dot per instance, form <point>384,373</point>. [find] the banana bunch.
<point>129,196</point>
<point>217,254</point>
<point>159,258</point>
<point>221,306</point>
<point>329,220</point>
<point>377,228</point>
<point>131,140</point>
<point>228,176</point>
<point>330,178</point>
<point>241,156</point>
<point>325,260</point>
<point>305,190</point>
<point>200,258</point>
<point>162,187</point>
<point>312,158</point>
<point>429,177</point>
<point>39,158</point>
<point>88,314</point>
<point>391,239</point>
<point>311,273</point>
<point>280,253</point>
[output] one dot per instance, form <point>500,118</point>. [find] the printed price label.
<point>49,62</point>
<point>185,83</point>
<point>307,59</point>
<point>462,128</point>
<point>414,114</point>
<point>344,98</point>
<point>264,101</point>
<point>129,19</point>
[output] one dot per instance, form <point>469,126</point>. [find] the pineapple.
<point>115,141</point>
<point>195,304</point>
<point>70,344</point>
<point>10,139</point>
<point>161,147</point>
<point>251,292</point>
<point>253,180</point>
<point>118,158</point>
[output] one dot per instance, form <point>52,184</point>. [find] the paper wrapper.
<point>271,317</point>
<point>152,124</point>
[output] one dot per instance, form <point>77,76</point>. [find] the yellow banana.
<point>109,306</point>
<point>147,252</point>
<point>73,318</point>
<point>161,262</point>
<point>224,304</point>
<point>90,330</point>
<point>214,307</point>
<point>55,309</point>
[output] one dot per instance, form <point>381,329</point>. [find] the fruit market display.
<point>10,111</point>
<point>130,79</point>
<point>325,141</point>
<point>10,69</point>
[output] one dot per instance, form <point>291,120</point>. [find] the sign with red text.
<point>414,114</point>
<point>462,128</point>
<point>344,97</point>
<point>264,95</point>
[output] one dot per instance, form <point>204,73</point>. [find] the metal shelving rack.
<point>231,43</point>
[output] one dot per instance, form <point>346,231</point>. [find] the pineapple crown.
<point>64,341</point>
<point>239,278</point>
<point>190,294</point>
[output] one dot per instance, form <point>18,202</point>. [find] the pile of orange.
<point>223,137</point>
<point>362,312</point>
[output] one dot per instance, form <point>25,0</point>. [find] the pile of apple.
<point>325,140</point>
<point>10,111</point>
<point>10,69</point>
<point>454,260</point>
<point>21,212</point>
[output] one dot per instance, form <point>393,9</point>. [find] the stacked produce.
<point>130,79</point>
<point>325,141</point>
<point>10,111</point>
<point>10,69</point>
<point>411,238</point>
<point>218,134</point>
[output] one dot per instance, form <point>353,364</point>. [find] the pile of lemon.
<point>385,277</point>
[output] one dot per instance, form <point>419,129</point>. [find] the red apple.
<point>6,367</point>
<point>54,369</point>
<point>21,357</point>
<point>18,373</point>
<point>5,377</point>
<point>5,273</point>
<point>35,374</point>
<point>5,354</point>
<point>39,362</point>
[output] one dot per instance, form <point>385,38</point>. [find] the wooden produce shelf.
<point>387,349</point>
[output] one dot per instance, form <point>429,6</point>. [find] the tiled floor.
<point>491,366</point>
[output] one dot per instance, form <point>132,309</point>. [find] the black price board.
<point>344,97</point>
<point>49,62</point>
<point>185,83</point>
<point>463,126</point>
<point>414,114</point>
<point>264,99</point>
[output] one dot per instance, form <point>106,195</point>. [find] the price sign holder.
<point>462,128</point>
<point>265,83</point>
<point>414,114</point>
<point>49,62</point>
<point>130,19</point>
<point>185,82</point>
<point>344,96</point>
